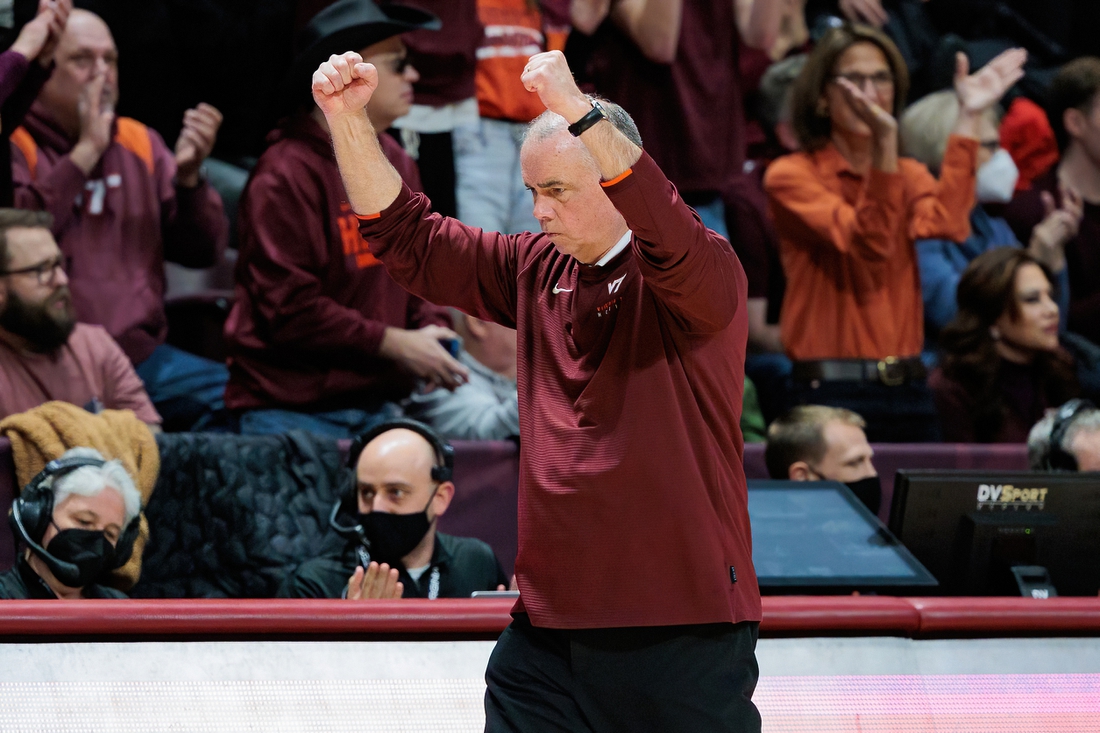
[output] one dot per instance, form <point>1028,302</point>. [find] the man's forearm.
<point>370,181</point>
<point>613,152</point>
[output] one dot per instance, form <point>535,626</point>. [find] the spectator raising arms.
<point>1002,366</point>
<point>925,130</point>
<point>21,80</point>
<point>847,212</point>
<point>1074,108</point>
<point>123,203</point>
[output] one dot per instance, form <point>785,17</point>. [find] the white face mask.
<point>997,179</point>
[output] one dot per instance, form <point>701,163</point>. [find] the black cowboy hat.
<point>349,25</point>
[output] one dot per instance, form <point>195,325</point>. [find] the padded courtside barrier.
<point>802,616</point>
<point>487,479</point>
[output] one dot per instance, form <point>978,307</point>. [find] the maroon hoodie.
<point>118,225</point>
<point>312,301</point>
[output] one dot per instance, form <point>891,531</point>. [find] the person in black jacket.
<point>78,519</point>
<point>392,549</point>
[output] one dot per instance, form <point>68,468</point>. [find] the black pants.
<point>695,679</point>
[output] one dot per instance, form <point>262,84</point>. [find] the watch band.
<point>594,115</point>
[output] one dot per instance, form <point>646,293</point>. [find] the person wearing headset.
<point>403,485</point>
<point>1066,439</point>
<point>78,520</point>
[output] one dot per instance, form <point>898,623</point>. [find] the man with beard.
<point>123,203</point>
<point>392,549</point>
<point>44,353</point>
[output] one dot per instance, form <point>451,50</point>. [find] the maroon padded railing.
<point>485,618</point>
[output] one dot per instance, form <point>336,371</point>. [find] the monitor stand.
<point>1034,581</point>
<point>991,544</point>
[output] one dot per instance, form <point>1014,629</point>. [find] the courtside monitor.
<point>817,537</point>
<point>972,528</point>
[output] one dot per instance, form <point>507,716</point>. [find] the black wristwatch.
<point>594,115</point>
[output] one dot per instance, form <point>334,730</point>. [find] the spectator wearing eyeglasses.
<point>123,203</point>
<point>45,354</point>
<point>847,210</point>
<point>320,337</point>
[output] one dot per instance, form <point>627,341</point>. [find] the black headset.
<point>32,513</point>
<point>1058,458</point>
<point>442,471</point>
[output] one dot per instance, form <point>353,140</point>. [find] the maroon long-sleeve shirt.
<point>632,507</point>
<point>117,225</point>
<point>312,301</point>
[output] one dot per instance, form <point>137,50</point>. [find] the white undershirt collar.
<point>619,247</point>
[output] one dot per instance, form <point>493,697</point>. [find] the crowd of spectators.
<point>916,272</point>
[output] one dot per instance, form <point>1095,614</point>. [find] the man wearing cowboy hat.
<point>321,338</point>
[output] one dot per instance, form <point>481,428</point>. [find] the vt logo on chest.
<point>595,294</point>
<point>97,191</point>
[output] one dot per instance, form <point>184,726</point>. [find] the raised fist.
<point>344,84</point>
<point>548,75</point>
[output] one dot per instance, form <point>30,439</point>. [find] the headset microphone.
<point>32,512</point>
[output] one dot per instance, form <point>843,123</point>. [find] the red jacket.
<point>119,224</point>
<point>312,301</point>
<point>633,509</point>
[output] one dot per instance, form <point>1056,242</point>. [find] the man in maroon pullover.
<point>123,203</point>
<point>321,338</point>
<point>639,604</point>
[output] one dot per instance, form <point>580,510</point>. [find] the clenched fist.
<point>344,84</point>
<point>548,75</point>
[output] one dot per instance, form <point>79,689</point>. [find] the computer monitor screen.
<point>970,528</point>
<point>818,537</point>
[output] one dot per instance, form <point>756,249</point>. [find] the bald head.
<point>398,452</point>
<point>85,51</point>
<point>394,474</point>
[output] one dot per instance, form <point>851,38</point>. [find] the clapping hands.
<point>981,90</point>
<point>38,38</point>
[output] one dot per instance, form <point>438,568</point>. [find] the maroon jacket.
<point>118,225</point>
<point>312,301</point>
<point>632,507</point>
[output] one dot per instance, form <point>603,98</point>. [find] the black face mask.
<point>89,551</point>
<point>392,536</point>
<point>869,491</point>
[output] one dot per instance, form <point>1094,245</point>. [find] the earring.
<point>995,333</point>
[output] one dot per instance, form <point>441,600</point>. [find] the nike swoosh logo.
<point>557,290</point>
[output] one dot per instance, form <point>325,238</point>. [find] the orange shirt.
<point>846,244</point>
<point>514,31</point>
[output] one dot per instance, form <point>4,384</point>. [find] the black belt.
<point>890,371</point>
